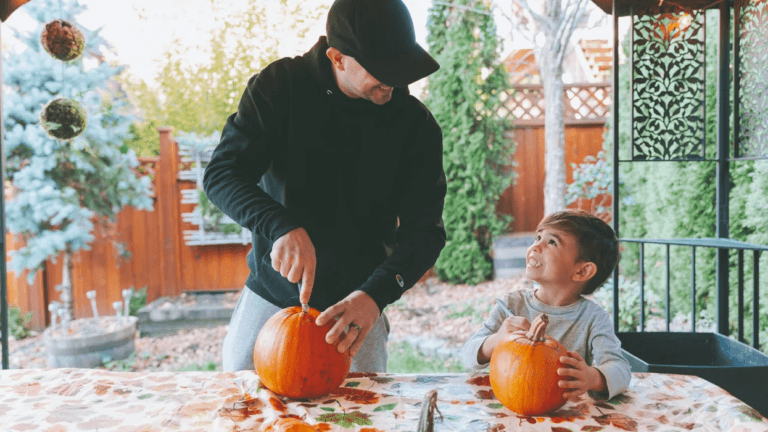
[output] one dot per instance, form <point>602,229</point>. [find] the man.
<point>337,171</point>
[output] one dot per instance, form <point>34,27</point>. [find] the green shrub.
<point>138,301</point>
<point>212,216</point>
<point>124,365</point>
<point>18,324</point>
<point>629,302</point>
<point>404,358</point>
<point>464,96</point>
<point>208,366</point>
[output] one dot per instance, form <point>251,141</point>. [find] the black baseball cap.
<point>379,35</point>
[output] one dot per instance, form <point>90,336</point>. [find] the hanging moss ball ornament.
<point>63,118</point>
<point>63,40</point>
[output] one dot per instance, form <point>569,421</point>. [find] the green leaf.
<point>352,384</point>
<point>386,407</point>
<point>620,399</point>
<point>346,420</point>
<point>495,405</point>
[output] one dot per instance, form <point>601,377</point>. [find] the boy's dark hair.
<point>597,242</point>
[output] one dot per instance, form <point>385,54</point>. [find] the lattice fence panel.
<point>525,103</point>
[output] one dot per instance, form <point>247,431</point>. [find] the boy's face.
<point>552,258</point>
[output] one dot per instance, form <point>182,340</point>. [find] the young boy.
<point>574,253</point>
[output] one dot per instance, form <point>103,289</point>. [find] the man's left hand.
<point>357,308</point>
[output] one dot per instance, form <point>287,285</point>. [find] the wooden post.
<point>168,207</point>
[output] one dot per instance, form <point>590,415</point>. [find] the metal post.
<point>3,278</point>
<point>740,294</point>
<point>723,171</point>
<point>615,116</point>
<point>667,306</point>
<point>693,288</point>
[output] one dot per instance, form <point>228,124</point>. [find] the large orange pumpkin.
<point>293,359</point>
<point>288,424</point>
<point>523,370</point>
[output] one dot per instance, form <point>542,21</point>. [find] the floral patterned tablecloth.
<point>59,400</point>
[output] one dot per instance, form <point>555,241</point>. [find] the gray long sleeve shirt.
<point>583,327</point>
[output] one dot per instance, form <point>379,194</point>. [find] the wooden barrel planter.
<point>112,341</point>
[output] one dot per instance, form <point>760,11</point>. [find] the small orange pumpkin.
<point>523,370</point>
<point>293,359</point>
<point>288,424</point>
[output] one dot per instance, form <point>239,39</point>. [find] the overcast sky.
<point>140,42</point>
<point>140,31</point>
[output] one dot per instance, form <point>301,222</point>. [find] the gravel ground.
<point>439,310</point>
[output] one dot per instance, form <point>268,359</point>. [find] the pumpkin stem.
<point>538,328</point>
<point>428,407</point>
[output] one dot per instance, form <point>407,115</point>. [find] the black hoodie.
<point>365,181</point>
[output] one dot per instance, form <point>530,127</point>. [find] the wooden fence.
<point>586,108</point>
<point>162,262</point>
<point>159,259</point>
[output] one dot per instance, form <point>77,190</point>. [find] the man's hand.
<point>583,377</point>
<point>357,308</point>
<point>293,255</point>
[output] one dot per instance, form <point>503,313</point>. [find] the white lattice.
<point>194,155</point>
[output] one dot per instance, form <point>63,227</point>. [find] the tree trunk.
<point>554,134</point>
<point>65,288</point>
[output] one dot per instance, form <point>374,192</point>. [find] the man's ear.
<point>336,58</point>
<point>585,272</point>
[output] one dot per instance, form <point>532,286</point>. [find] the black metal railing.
<point>724,246</point>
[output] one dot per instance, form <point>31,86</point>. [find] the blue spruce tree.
<point>62,189</point>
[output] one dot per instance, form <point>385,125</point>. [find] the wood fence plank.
<point>126,267</point>
<point>152,251</point>
<point>168,203</point>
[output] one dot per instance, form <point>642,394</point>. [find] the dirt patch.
<point>440,310</point>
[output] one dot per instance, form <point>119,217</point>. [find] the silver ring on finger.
<point>355,326</point>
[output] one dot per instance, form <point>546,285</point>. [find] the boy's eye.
<point>553,243</point>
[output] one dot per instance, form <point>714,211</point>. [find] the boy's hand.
<point>510,325</point>
<point>513,324</point>
<point>582,376</point>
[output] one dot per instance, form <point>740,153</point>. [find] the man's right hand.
<point>293,255</point>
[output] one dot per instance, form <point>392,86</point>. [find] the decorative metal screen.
<point>751,116</point>
<point>668,85</point>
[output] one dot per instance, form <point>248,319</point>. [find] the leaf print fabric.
<point>64,400</point>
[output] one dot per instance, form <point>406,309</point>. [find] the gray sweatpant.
<point>252,312</point>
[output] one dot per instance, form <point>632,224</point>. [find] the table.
<point>60,400</point>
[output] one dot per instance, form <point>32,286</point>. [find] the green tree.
<point>198,97</point>
<point>61,189</point>
<point>548,26</point>
<point>464,98</point>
